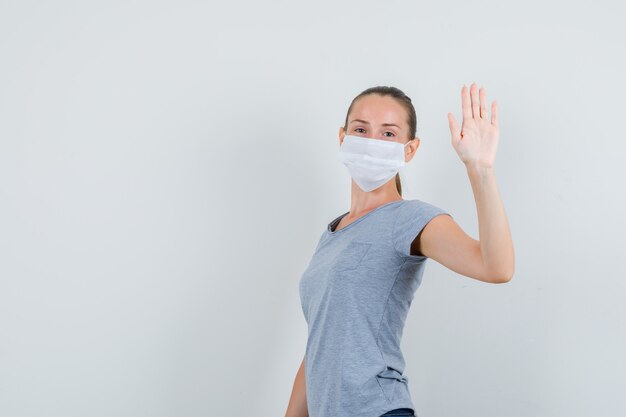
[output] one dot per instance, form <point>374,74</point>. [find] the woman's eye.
<point>358,129</point>
<point>390,132</point>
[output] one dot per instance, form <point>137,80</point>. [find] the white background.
<point>166,169</point>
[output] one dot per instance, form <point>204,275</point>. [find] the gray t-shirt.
<point>355,294</point>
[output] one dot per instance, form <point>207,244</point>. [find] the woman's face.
<point>378,117</point>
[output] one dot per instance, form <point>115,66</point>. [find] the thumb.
<point>454,128</point>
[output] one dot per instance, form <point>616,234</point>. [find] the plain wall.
<point>166,169</point>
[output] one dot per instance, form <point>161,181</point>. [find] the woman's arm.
<point>496,244</point>
<point>492,258</point>
<point>297,403</point>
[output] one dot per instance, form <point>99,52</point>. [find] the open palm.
<point>476,141</point>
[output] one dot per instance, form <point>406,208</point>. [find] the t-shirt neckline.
<point>338,219</point>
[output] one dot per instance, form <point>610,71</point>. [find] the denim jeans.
<point>399,412</point>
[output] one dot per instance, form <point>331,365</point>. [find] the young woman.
<point>358,286</point>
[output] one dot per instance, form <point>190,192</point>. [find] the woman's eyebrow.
<point>366,122</point>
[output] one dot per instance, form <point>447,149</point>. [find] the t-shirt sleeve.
<point>411,219</point>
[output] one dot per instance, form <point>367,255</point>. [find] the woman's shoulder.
<point>417,206</point>
<point>414,202</point>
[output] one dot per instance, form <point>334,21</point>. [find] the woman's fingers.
<point>474,104</point>
<point>465,103</point>
<point>475,101</point>
<point>454,128</point>
<point>483,103</point>
<point>494,114</point>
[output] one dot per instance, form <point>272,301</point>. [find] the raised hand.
<point>477,140</point>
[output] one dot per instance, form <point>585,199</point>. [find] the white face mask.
<point>371,162</point>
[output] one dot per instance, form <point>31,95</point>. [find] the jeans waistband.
<point>399,412</point>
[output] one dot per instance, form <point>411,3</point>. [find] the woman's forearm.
<point>297,402</point>
<point>496,244</point>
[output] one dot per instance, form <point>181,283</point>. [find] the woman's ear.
<point>417,143</point>
<point>341,135</point>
